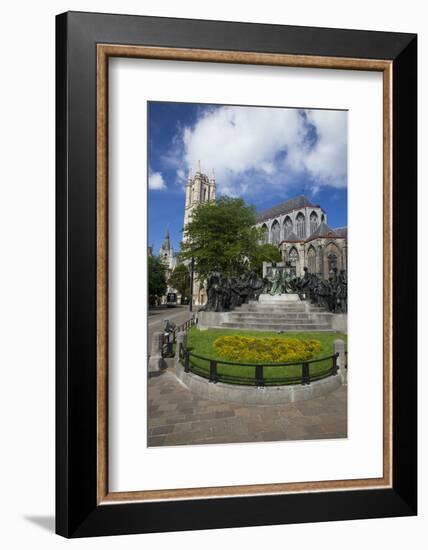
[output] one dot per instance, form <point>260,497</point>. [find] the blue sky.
<point>265,155</point>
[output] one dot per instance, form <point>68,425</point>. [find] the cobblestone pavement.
<point>177,417</point>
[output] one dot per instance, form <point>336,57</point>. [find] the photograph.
<point>208,211</point>
<point>247,263</point>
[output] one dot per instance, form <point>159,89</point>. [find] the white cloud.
<point>156,181</point>
<point>250,148</point>
<point>327,161</point>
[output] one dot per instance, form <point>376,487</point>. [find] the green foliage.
<point>264,253</point>
<point>157,279</point>
<point>271,350</point>
<point>180,280</point>
<point>222,235</point>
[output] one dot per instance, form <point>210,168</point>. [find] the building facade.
<point>199,189</point>
<point>299,228</point>
<point>168,257</point>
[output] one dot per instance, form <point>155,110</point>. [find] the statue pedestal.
<point>277,298</point>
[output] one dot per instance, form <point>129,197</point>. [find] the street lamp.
<point>192,267</point>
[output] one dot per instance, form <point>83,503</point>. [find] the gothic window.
<point>293,258</point>
<point>275,232</point>
<point>300,226</point>
<point>313,222</point>
<point>312,260</point>
<point>288,226</point>
<point>333,257</point>
<point>332,261</point>
<point>322,217</point>
<point>265,234</point>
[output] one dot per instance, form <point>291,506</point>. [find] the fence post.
<point>259,376</point>
<point>339,347</point>
<point>213,372</point>
<point>180,340</point>
<point>306,379</point>
<point>156,362</point>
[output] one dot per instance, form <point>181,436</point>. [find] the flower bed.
<point>267,349</point>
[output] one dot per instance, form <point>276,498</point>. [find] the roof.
<point>284,208</point>
<point>323,230</point>
<point>341,232</point>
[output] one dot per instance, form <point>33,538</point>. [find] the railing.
<point>259,378</point>
<point>171,337</point>
<point>186,325</point>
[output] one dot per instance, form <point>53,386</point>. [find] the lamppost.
<point>192,267</point>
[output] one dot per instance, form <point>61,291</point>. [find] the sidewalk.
<point>177,417</point>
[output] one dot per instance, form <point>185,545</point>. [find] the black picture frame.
<point>77,511</point>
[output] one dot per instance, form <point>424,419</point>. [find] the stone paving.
<point>177,417</point>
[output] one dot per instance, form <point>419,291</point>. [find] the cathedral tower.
<point>199,189</point>
<point>166,253</point>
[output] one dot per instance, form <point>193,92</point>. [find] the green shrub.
<point>267,350</point>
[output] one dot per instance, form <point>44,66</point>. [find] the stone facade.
<point>168,258</point>
<point>299,228</point>
<point>199,189</point>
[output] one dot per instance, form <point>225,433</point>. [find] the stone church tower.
<point>168,258</point>
<point>199,189</point>
<point>166,252</point>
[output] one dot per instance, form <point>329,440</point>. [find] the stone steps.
<point>280,316</point>
<point>277,327</point>
<point>296,307</point>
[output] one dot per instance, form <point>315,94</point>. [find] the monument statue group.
<point>227,293</point>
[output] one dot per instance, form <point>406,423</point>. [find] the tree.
<point>180,280</point>
<point>222,234</point>
<point>264,253</point>
<point>157,279</point>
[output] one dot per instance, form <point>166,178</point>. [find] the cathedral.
<point>297,226</point>
<point>300,229</point>
<point>199,189</point>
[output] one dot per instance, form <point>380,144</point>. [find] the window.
<point>288,226</point>
<point>300,226</point>
<point>333,255</point>
<point>293,258</point>
<point>265,234</point>
<point>332,261</point>
<point>275,232</point>
<point>313,220</point>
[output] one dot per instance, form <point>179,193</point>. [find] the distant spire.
<point>199,166</point>
<point>213,174</point>
<point>166,242</point>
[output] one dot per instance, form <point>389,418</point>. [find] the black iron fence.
<point>256,374</point>
<point>186,325</point>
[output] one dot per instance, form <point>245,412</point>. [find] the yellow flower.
<point>266,349</point>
